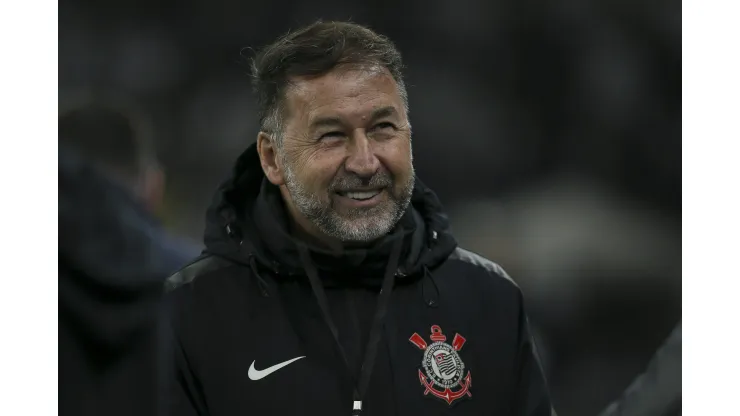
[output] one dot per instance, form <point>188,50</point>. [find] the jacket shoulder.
<point>481,262</point>
<point>200,266</point>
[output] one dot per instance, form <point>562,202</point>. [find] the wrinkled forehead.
<point>351,93</point>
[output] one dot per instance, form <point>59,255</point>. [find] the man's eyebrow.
<point>377,114</point>
<point>326,122</point>
<point>382,113</point>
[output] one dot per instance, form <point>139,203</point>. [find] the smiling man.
<point>344,167</point>
<point>332,284</point>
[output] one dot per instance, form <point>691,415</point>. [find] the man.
<point>113,260</point>
<point>332,284</point>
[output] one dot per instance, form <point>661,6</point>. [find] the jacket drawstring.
<point>429,289</point>
<point>260,281</point>
<point>235,235</point>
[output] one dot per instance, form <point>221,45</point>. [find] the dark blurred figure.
<point>113,260</point>
<point>656,392</point>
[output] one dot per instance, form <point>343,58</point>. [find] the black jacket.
<point>250,304</point>
<point>113,260</point>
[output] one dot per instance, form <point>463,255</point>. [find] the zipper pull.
<point>356,408</point>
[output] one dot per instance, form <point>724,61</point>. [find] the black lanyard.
<point>359,386</point>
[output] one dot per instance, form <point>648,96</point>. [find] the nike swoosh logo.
<point>255,374</point>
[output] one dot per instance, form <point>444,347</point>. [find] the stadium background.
<point>550,130</point>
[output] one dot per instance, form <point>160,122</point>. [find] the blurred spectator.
<point>656,392</point>
<point>113,260</point>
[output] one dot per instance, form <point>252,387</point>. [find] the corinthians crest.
<point>443,373</point>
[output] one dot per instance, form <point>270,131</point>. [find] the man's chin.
<point>364,230</point>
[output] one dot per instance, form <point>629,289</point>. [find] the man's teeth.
<point>362,195</point>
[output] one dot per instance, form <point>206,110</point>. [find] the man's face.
<point>346,157</point>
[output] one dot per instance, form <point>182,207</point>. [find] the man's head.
<point>116,142</point>
<point>335,131</point>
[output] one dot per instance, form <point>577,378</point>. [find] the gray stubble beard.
<point>359,225</point>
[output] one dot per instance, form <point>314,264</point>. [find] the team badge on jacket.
<point>442,372</point>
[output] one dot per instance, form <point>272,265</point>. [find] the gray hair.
<point>314,50</point>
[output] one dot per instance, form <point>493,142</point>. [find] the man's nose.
<point>362,160</point>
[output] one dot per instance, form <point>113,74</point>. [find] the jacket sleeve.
<point>532,397</point>
<point>186,398</point>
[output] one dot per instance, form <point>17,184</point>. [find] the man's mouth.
<point>360,195</point>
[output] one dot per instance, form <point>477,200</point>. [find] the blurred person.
<point>657,391</point>
<point>331,281</point>
<point>113,260</point>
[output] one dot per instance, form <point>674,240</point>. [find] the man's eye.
<point>383,126</point>
<point>332,135</point>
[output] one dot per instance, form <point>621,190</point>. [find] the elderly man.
<point>332,284</point>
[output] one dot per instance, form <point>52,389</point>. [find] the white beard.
<point>360,225</point>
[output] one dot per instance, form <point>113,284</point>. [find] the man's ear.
<point>269,159</point>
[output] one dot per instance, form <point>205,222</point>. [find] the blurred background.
<point>550,130</point>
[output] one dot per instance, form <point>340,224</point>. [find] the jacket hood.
<point>113,256</point>
<point>104,231</point>
<point>247,220</point>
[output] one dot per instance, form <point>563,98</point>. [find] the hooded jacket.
<point>413,325</point>
<point>113,260</point>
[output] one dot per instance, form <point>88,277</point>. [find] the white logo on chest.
<point>255,374</point>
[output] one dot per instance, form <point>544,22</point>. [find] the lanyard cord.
<point>359,386</point>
